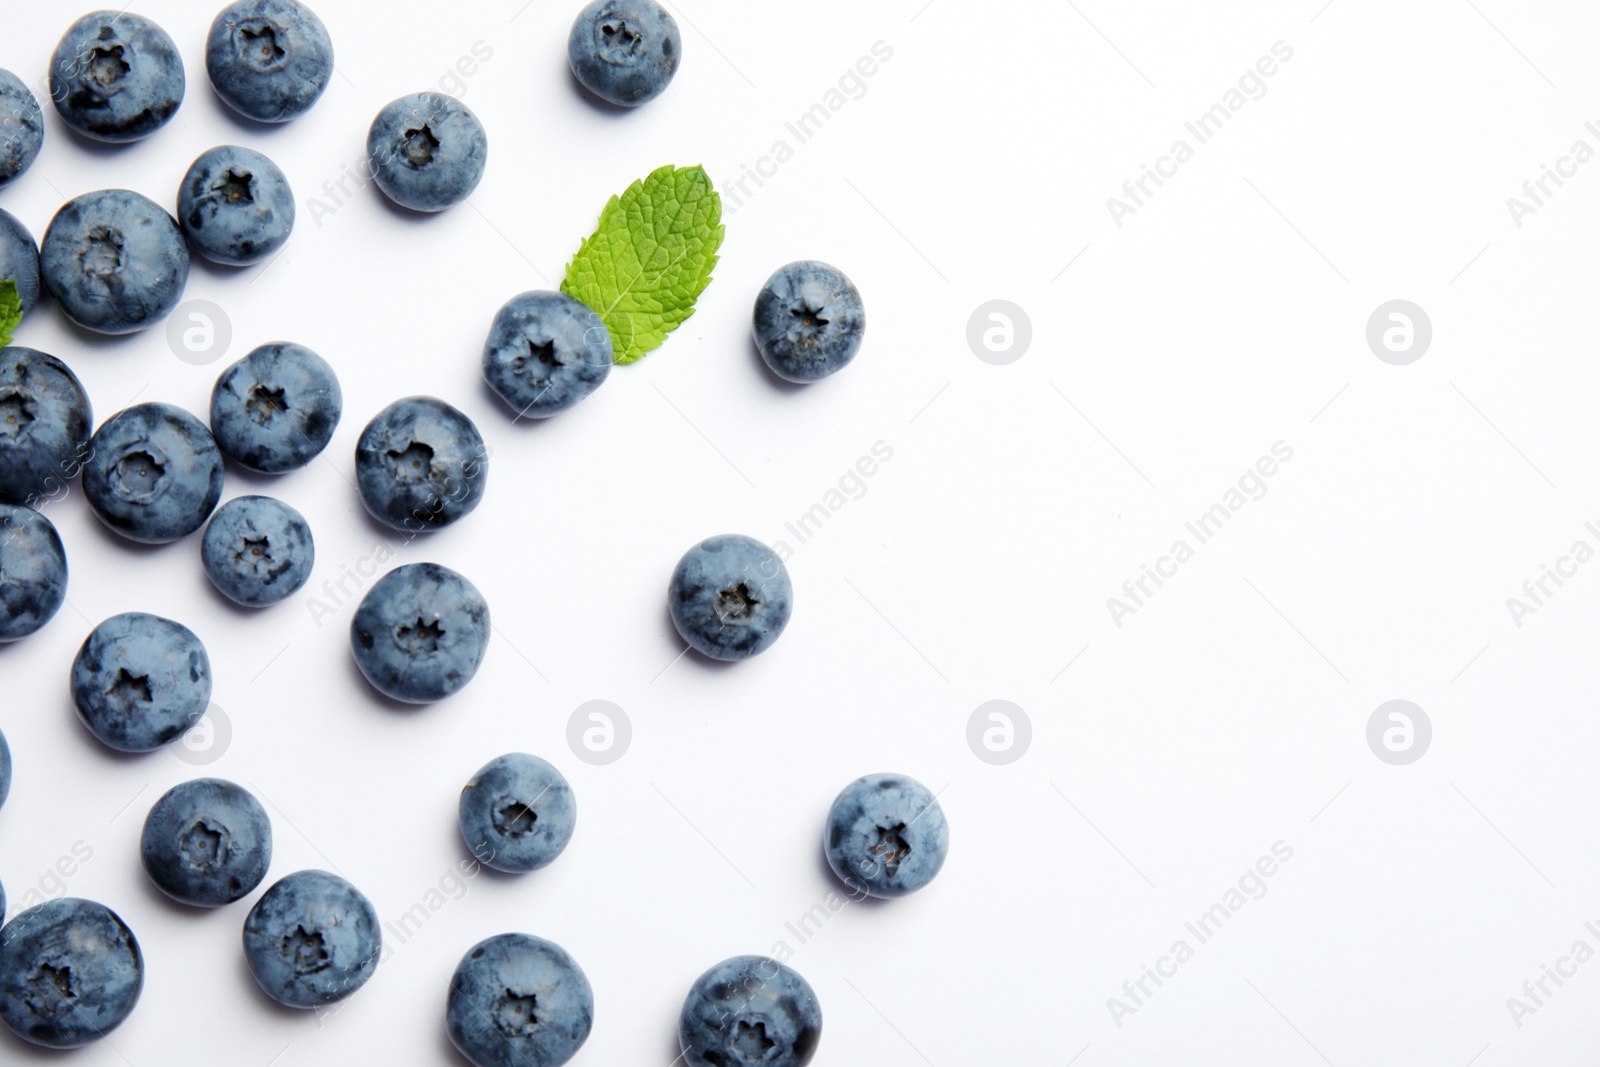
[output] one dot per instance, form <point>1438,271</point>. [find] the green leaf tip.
<point>10,310</point>
<point>650,258</point>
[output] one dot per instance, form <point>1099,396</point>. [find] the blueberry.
<point>420,633</point>
<point>235,206</point>
<point>206,842</point>
<point>269,60</point>
<point>517,813</point>
<point>70,973</point>
<point>886,835</point>
<point>21,127</point>
<point>625,51</point>
<point>140,681</point>
<point>153,473</point>
<point>19,255</point>
<point>730,597</point>
<point>808,321</point>
<point>257,550</point>
<point>116,76</point>
<point>748,1010</point>
<point>44,425</point>
<point>545,352</point>
<point>421,465</point>
<point>33,573</point>
<point>115,261</point>
<point>427,151</point>
<point>312,939</point>
<point>5,785</point>
<point>276,409</point>
<point>519,1001</point>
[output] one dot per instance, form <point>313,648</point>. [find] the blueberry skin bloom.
<point>808,321</point>
<point>545,352</point>
<point>235,206</point>
<point>420,633</point>
<point>519,1001</point>
<point>19,255</point>
<point>115,261</point>
<point>269,60</point>
<point>517,813</point>
<point>116,76</point>
<point>207,842</point>
<point>70,973</point>
<point>427,151</point>
<point>140,681</point>
<point>33,573</point>
<point>21,127</point>
<point>886,835</point>
<point>421,465</point>
<point>750,1009</point>
<point>730,597</point>
<point>625,51</point>
<point>312,939</point>
<point>275,410</point>
<point>44,425</point>
<point>5,790</point>
<point>257,551</point>
<point>153,473</point>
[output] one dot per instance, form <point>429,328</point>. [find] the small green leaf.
<point>10,310</point>
<point>650,259</point>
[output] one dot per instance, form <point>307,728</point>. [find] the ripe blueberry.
<point>517,813</point>
<point>420,633</point>
<point>70,973</point>
<point>625,51</point>
<point>808,321</point>
<point>730,597</point>
<point>519,1001</point>
<point>257,550</point>
<point>116,76</point>
<point>153,473</point>
<point>140,681</point>
<point>33,572</point>
<point>312,939</point>
<point>114,261</point>
<point>421,465</point>
<point>269,60</point>
<point>545,352</point>
<point>887,835</point>
<point>206,842</point>
<point>275,410</point>
<point>235,206</point>
<point>427,151</point>
<point>749,1010</point>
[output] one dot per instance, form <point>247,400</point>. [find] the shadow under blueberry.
<point>782,385</point>
<point>381,700</point>
<point>601,107</point>
<point>524,423</point>
<point>400,211</point>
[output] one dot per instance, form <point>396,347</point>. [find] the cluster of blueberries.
<point>115,262</point>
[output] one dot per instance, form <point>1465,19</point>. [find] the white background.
<point>1226,715</point>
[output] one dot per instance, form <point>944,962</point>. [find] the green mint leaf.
<point>650,259</point>
<point>10,310</point>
